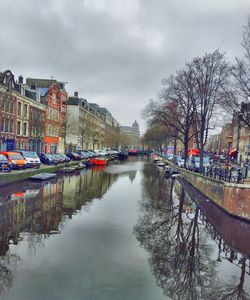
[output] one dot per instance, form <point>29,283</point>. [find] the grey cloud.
<point>115,57</point>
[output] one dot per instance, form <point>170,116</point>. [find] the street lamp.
<point>229,143</point>
<point>238,136</point>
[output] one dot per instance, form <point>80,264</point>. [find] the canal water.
<point>120,232</point>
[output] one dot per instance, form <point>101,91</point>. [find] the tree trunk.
<point>186,140</point>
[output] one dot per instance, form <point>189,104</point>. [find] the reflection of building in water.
<point>71,191</point>
<point>77,190</point>
<point>132,175</point>
<point>34,209</point>
<point>49,216</point>
<point>38,208</point>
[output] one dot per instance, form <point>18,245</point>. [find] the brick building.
<point>8,107</point>
<point>54,97</point>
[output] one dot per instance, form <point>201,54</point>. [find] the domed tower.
<point>135,134</point>
<point>135,125</point>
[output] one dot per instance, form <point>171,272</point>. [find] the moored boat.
<point>43,176</point>
<point>98,161</point>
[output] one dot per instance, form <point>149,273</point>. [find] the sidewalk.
<point>18,175</point>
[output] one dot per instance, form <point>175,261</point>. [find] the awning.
<point>233,152</point>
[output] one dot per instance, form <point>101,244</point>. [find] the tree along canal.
<point>122,232</point>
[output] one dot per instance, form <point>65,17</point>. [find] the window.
<point>7,125</point>
<point>53,99</point>
<point>24,128</point>
<point>12,107</point>
<point>2,123</point>
<point>18,128</point>
<point>19,108</point>
<point>11,125</point>
<point>25,111</point>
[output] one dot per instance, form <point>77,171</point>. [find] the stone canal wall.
<point>18,175</point>
<point>233,198</point>
<point>212,188</point>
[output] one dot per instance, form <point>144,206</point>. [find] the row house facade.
<point>30,118</point>
<point>111,129</point>
<point>8,106</point>
<point>17,113</point>
<point>87,125</point>
<point>54,97</point>
<point>234,138</point>
<point>34,117</point>
<point>32,114</point>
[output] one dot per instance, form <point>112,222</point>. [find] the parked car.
<point>31,157</point>
<point>101,152</point>
<point>177,160</point>
<point>16,159</point>
<point>74,156</point>
<point>92,153</point>
<point>194,163</point>
<point>83,154</point>
<point>123,154</point>
<point>5,165</point>
<point>66,158</point>
<point>47,159</point>
<point>58,157</point>
<point>169,156</point>
<point>112,151</point>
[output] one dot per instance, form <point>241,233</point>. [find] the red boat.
<point>98,161</point>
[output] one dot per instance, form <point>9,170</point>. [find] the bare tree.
<point>156,136</point>
<point>189,98</point>
<point>182,102</point>
<point>177,106</point>
<point>83,131</point>
<point>69,129</point>
<point>124,140</point>
<point>236,96</point>
<point>210,78</point>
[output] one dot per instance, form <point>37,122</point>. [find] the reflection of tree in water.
<point>237,292</point>
<point>180,258</point>
<point>8,265</point>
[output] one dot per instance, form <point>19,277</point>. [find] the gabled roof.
<point>40,83</point>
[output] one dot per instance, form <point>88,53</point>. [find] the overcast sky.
<point>115,52</point>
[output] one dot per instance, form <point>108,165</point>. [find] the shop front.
<point>7,144</point>
<point>51,144</point>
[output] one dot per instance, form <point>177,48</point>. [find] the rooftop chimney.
<point>20,79</point>
<point>76,94</point>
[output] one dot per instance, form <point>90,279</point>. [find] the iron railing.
<point>234,174</point>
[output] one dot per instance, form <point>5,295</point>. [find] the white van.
<point>32,158</point>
